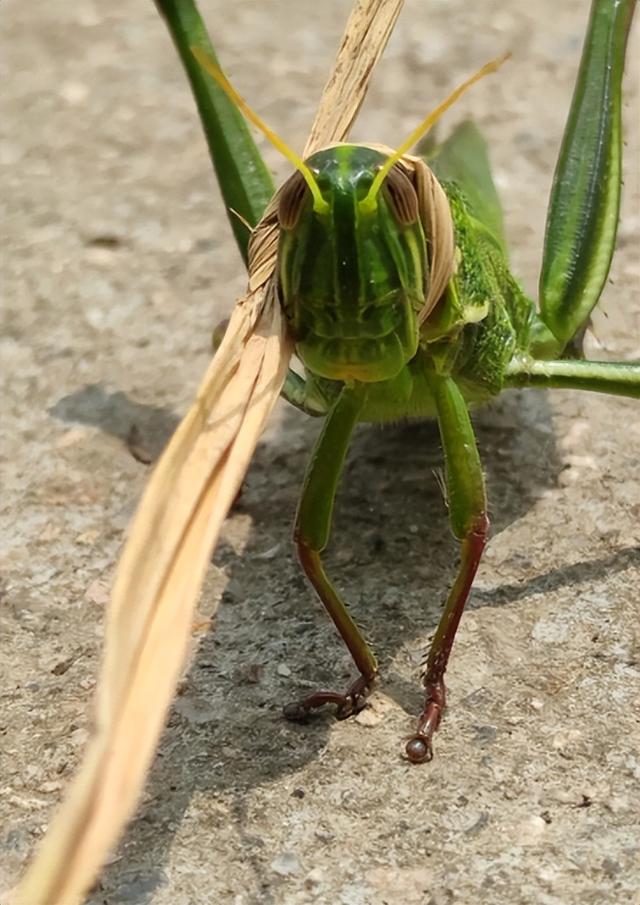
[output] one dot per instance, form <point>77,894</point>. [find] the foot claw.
<point>419,749</point>
<point>347,705</point>
<point>351,706</point>
<point>295,712</point>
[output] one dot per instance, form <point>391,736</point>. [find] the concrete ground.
<point>116,264</point>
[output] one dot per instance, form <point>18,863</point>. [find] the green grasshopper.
<point>382,338</point>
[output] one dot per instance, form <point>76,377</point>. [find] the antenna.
<point>368,204</point>
<point>209,65</point>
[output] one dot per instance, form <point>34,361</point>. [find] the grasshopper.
<point>391,280</point>
<point>383,336</point>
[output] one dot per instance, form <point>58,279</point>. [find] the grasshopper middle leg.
<point>470,524</point>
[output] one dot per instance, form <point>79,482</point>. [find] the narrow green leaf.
<point>583,211</point>
<point>245,181</point>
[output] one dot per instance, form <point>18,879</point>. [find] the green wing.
<point>463,158</point>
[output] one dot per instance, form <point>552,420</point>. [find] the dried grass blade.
<point>177,525</point>
<point>153,603</point>
<point>364,40</point>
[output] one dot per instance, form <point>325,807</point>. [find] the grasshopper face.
<point>352,281</point>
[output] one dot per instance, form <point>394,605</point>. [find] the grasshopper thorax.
<point>352,275</point>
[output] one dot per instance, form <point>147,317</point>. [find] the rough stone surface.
<point>116,265</point>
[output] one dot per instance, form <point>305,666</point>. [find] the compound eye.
<point>292,198</point>
<point>401,196</point>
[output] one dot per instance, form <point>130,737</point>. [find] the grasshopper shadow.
<point>116,414</point>
<point>272,640</point>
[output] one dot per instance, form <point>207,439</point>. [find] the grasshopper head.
<point>352,275</point>
<point>352,259</point>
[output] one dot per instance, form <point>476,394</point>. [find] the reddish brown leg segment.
<point>419,747</point>
<point>353,699</point>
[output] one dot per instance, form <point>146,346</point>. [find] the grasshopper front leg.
<point>470,524</point>
<point>311,534</point>
<point>295,388</point>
